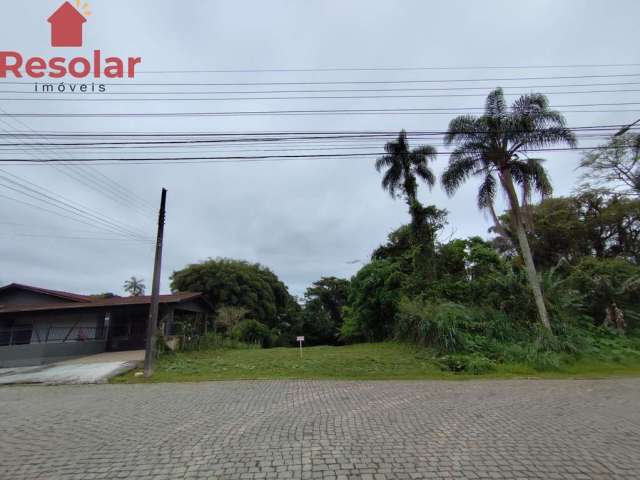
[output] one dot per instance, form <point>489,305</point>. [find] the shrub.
<point>252,332</point>
<point>214,341</point>
<point>544,360</point>
<point>474,364</point>
<point>500,327</point>
<point>438,325</point>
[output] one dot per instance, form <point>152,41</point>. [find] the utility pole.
<point>152,324</point>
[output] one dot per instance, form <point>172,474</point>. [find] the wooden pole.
<point>152,324</point>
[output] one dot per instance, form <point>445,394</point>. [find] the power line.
<point>266,134</point>
<point>382,111</point>
<point>37,192</point>
<point>222,144</point>
<point>59,237</point>
<point>325,97</point>
<point>95,178</point>
<point>331,90</point>
<point>59,214</point>
<point>380,68</point>
<point>249,158</point>
<point>82,175</point>
<point>354,82</point>
<point>391,68</point>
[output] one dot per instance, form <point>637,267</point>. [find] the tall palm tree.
<point>403,169</point>
<point>135,287</point>
<point>493,147</point>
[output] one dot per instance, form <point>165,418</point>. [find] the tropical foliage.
<point>559,279</point>
<point>495,148</point>
<point>134,287</point>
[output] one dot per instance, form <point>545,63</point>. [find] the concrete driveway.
<point>97,368</point>
<point>512,430</point>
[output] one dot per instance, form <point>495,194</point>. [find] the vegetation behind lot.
<point>554,289</point>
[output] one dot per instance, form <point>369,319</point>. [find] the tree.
<point>589,224</point>
<point>614,168</point>
<point>403,169</point>
<point>398,244</point>
<point>235,283</point>
<point>494,145</point>
<point>322,314</point>
<point>135,287</point>
<point>560,232</point>
<point>372,305</point>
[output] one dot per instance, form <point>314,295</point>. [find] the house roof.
<point>74,297</point>
<point>104,303</point>
<point>65,13</point>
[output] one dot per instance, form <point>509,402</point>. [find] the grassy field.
<point>380,361</point>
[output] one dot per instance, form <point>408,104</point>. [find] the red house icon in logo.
<point>66,26</point>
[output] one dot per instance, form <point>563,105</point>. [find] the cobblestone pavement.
<point>329,430</point>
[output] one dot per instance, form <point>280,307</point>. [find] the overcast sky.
<point>302,219</point>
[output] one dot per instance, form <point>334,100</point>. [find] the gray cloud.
<point>302,219</point>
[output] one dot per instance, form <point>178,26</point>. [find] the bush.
<point>252,332</point>
<point>438,325</point>
<point>502,328</point>
<point>544,361</point>
<point>474,364</point>
<point>214,341</point>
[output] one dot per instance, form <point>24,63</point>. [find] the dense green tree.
<point>373,296</point>
<point>399,242</point>
<point>588,224</point>
<point>236,283</point>
<point>135,287</point>
<point>322,313</point>
<point>466,271</point>
<point>493,146</point>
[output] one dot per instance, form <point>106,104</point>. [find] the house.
<point>66,26</point>
<point>39,326</point>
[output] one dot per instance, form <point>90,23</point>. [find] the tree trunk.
<point>525,250</point>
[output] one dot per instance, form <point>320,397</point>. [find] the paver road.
<point>329,430</point>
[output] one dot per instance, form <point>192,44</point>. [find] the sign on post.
<point>300,340</point>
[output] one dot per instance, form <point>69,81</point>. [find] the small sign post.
<point>300,340</point>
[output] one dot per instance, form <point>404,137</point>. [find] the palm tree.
<point>135,287</point>
<point>493,147</point>
<point>403,169</point>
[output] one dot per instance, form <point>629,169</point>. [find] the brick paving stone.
<point>565,430</point>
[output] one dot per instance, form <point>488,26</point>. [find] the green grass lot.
<point>378,361</point>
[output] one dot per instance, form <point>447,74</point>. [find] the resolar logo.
<point>67,31</point>
<point>67,25</point>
